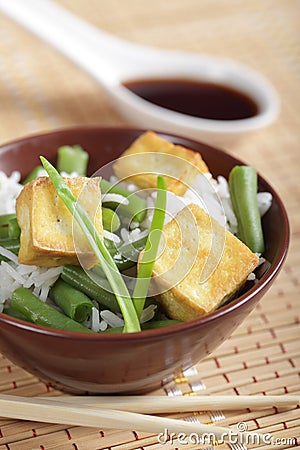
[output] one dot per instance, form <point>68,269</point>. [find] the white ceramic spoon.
<point>111,61</point>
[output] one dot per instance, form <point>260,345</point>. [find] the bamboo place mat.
<point>40,90</point>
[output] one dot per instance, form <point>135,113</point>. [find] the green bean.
<point>33,174</point>
<point>135,209</point>
<point>111,246</point>
<point>97,272</point>
<point>38,312</point>
<point>160,324</point>
<point>110,220</point>
<point>5,218</point>
<point>14,230</point>
<point>73,302</point>
<point>107,263</point>
<point>126,255</point>
<point>151,249</point>
<point>147,326</point>
<point>72,159</point>
<point>9,227</point>
<point>123,263</point>
<point>78,278</point>
<point>129,249</point>
<point>243,194</point>
<point>10,244</point>
<point>4,232</point>
<point>14,313</point>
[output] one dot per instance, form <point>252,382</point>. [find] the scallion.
<point>151,248</point>
<point>108,265</point>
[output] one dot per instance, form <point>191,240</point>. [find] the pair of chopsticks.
<point>124,412</point>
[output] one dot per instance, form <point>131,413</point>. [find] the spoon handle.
<point>97,52</point>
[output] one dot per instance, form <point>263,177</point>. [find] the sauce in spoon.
<point>195,98</point>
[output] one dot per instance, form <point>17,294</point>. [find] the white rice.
<point>251,277</point>
<point>45,276</point>
<point>111,318</point>
<point>10,188</point>
<point>14,275</point>
<point>111,236</point>
<point>213,196</point>
<point>132,236</point>
<point>134,225</point>
<point>148,313</point>
<point>264,200</point>
<point>8,254</point>
<point>95,319</point>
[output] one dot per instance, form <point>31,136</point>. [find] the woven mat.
<point>40,90</point>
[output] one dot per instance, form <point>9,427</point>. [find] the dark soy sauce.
<point>198,99</point>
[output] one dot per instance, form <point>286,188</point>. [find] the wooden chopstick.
<point>51,411</point>
<point>161,404</point>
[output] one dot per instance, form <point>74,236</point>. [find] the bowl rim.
<point>172,329</point>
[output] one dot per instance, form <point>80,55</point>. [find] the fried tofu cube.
<point>200,264</point>
<point>49,234</point>
<point>150,155</point>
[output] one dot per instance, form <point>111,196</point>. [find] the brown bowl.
<point>137,362</point>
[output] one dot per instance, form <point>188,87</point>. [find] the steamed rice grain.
<point>10,188</point>
<point>112,319</point>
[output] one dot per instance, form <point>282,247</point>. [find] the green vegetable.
<point>74,303</point>
<point>243,194</point>
<point>38,312</point>
<point>4,232</point>
<point>13,229</point>
<point>147,326</point>
<point>14,313</point>
<point>5,218</point>
<point>126,255</point>
<point>110,220</point>
<point>111,246</point>
<point>135,209</point>
<point>10,244</point>
<point>151,249</point>
<point>75,276</point>
<point>33,174</point>
<point>72,159</point>
<point>107,263</point>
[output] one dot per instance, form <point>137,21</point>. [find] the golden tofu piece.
<point>49,235</point>
<point>150,155</point>
<point>200,264</point>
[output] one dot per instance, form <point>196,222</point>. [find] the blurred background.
<point>41,90</point>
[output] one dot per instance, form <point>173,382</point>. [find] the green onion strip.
<point>151,248</point>
<point>108,265</point>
